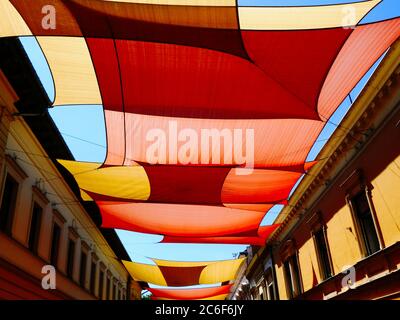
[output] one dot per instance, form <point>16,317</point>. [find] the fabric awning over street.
<point>262,82</point>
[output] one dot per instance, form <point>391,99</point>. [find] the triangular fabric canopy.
<point>259,239</point>
<point>181,274</point>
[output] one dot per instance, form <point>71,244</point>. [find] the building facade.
<point>340,234</point>
<point>50,244</point>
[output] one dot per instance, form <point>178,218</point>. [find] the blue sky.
<point>84,132</point>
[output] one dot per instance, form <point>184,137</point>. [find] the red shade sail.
<point>262,235</point>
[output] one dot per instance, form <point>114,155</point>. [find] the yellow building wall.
<point>308,264</point>
<point>280,280</point>
<point>380,162</point>
<point>342,239</point>
<point>386,199</point>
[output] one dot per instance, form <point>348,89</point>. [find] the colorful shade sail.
<point>190,294</point>
<point>179,274</point>
<point>191,74</point>
<point>211,109</point>
<point>218,29</point>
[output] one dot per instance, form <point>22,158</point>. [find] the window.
<point>70,258</point>
<point>34,232</point>
<point>8,203</point>
<point>55,244</point>
<point>82,271</point>
<point>321,246</point>
<point>366,224</point>
<point>101,284</point>
<point>108,288</point>
<point>259,283</point>
<point>261,293</point>
<point>117,292</point>
<point>292,276</point>
<point>93,276</point>
<point>270,287</point>
<point>113,291</point>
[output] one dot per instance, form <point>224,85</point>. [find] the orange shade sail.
<point>180,220</point>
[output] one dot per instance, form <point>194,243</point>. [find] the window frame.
<point>317,224</point>
<point>114,289</point>
<point>355,184</point>
<point>108,285</point>
<point>34,247</point>
<point>258,279</point>
<point>270,285</point>
<point>289,256</point>
<point>83,266</point>
<point>120,289</point>
<point>59,220</point>
<point>9,224</point>
<point>102,275</point>
<point>362,235</point>
<point>70,272</point>
<point>293,277</point>
<point>93,275</point>
<point>323,272</point>
<point>12,169</point>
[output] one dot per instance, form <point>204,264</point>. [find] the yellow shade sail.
<point>208,3</point>
<point>122,182</point>
<point>145,272</point>
<point>72,70</point>
<point>11,22</point>
<point>303,18</point>
<point>177,273</point>
<point>213,272</point>
<point>220,271</point>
